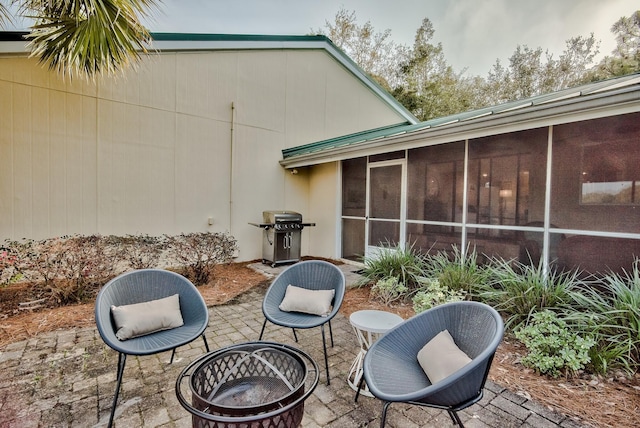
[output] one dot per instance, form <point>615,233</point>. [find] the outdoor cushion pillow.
<point>147,317</point>
<point>440,357</point>
<point>315,302</point>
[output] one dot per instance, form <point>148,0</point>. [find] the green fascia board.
<point>358,137</point>
<point>235,37</point>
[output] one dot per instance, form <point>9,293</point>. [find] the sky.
<point>473,33</point>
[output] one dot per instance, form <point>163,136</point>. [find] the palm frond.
<point>85,38</point>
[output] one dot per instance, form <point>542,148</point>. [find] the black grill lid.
<point>273,217</point>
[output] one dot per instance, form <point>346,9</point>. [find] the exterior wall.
<point>161,151</point>
<point>324,210</point>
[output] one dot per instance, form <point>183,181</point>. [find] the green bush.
<point>610,311</point>
<point>553,348</point>
<point>519,290</point>
<point>388,290</point>
<point>401,262</point>
<point>458,271</point>
<point>433,293</point>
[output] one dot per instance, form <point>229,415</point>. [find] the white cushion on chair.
<point>315,302</point>
<point>440,357</point>
<point>147,317</point>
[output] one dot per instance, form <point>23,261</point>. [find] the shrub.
<point>401,262</point>
<point>73,267</point>
<point>388,290</point>
<point>433,293</point>
<point>610,311</point>
<point>518,290</point>
<point>138,251</point>
<point>458,271</point>
<point>198,253</point>
<point>553,349</point>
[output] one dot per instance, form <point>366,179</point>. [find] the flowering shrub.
<point>433,294</point>
<point>8,272</point>
<point>14,261</point>
<point>553,348</point>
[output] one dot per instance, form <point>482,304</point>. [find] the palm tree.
<point>85,38</point>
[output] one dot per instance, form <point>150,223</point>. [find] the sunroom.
<point>554,179</point>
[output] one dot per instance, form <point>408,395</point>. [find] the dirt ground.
<point>601,402</point>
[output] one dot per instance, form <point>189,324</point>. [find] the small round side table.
<point>368,326</point>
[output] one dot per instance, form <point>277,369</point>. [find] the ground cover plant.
<point>553,348</point>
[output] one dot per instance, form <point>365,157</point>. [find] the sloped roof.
<point>543,110</point>
<point>13,42</point>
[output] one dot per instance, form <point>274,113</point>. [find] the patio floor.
<point>67,378</point>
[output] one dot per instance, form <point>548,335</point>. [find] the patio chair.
<point>393,373</point>
<point>149,285</point>
<point>312,275</point>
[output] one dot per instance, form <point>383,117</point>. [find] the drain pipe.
<point>233,116</point>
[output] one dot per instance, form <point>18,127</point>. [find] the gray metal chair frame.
<point>142,286</point>
<point>312,275</point>
<point>392,371</point>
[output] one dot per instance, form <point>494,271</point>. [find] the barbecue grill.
<point>281,236</point>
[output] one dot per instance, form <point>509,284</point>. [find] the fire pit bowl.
<point>254,384</point>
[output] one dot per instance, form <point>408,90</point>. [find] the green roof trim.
<point>522,106</point>
<point>205,37</point>
<point>370,134</point>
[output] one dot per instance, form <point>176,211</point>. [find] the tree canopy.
<point>422,80</point>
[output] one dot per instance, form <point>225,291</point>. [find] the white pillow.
<point>147,317</point>
<point>440,357</point>
<point>315,302</point>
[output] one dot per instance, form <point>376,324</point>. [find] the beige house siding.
<point>160,150</point>
<point>324,240</point>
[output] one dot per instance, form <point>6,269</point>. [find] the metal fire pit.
<point>254,384</point>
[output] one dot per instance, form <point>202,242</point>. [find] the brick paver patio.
<point>67,378</point>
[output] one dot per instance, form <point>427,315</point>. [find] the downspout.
<point>233,111</point>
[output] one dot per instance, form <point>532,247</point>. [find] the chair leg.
<point>331,333</point>
<point>383,418</point>
<point>295,336</point>
<point>326,360</point>
<point>122,359</point>
<point>359,388</point>
<point>264,324</point>
<point>206,345</point>
<point>173,354</point>
<point>455,418</point>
